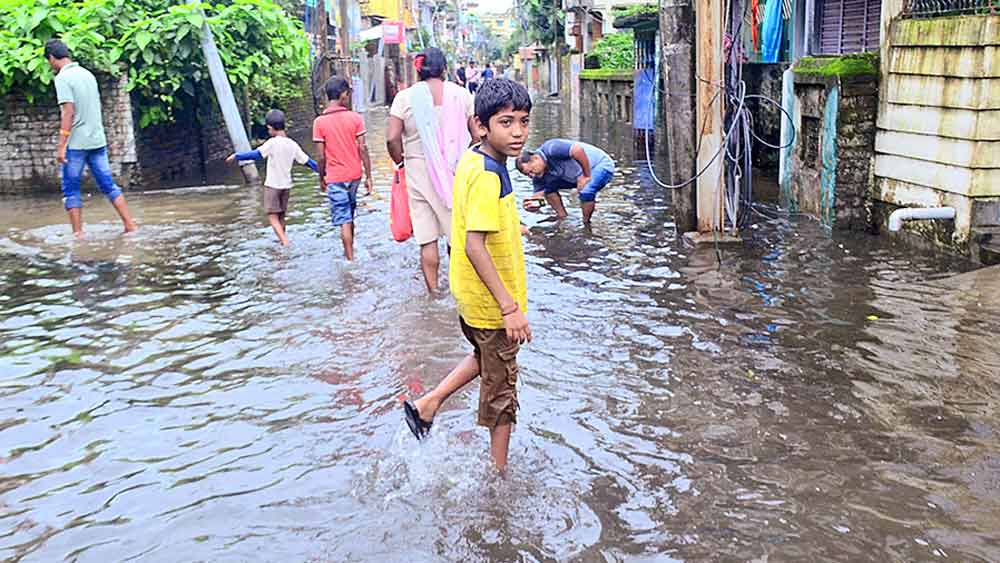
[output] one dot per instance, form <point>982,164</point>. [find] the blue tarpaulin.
<point>771,31</point>
<point>644,102</point>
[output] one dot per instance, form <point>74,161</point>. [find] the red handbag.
<point>399,208</point>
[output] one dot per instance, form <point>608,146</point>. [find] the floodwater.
<point>195,392</point>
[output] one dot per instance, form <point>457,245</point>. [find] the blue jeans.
<point>100,168</point>
<point>343,198</point>
<point>600,176</point>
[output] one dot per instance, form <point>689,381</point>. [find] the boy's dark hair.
<point>275,119</point>
<point>498,94</point>
<point>524,158</point>
<point>433,65</point>
<point>56,49</point>
<point>335,87</point>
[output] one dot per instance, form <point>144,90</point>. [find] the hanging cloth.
<point>443,140</point>
<point>773,24</point>
<point>755,24</point>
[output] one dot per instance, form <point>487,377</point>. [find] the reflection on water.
<point>196,392</point>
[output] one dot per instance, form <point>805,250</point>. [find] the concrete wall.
<point>939,124</point>
<point>830,167</point>
<point>608,99</point>
<point>29,136</point>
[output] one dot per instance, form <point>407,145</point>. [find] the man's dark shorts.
<point>497,359</point>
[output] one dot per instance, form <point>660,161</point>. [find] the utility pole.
<point>710,99</point>
<point>556,49</point>
<point>322,23</point>
<point>224,94</point>
<point>345,40</point>
<point>677,33</point>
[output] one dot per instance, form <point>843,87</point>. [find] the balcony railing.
<point>934,8</point>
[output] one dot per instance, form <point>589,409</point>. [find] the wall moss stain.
<point>607,74</point>
<point>861,64</point>
<point>956,62</point>
<point>975,30</point>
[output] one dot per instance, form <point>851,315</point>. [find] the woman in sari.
<point>430,126</point>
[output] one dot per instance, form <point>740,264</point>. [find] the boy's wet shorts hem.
<point>498,371</point>
<point>276,200</point>
<point>343,199</point>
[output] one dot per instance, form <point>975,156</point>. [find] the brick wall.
<point>300,113</point>
<point>855,151</point>
<point>182,152</point>
<point>188,151</point>
<point>832,158</point>
<point>29,136</point>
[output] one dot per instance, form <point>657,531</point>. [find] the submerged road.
<point>196,392</point>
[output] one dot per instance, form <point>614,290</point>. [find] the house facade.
<point>895,105</point>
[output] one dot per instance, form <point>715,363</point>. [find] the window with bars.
<point>849,26</point>
<point>645,49</point>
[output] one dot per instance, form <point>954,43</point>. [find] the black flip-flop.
<point>418,426</point>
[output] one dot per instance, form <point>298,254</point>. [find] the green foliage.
<point>544,21</point>
<point>635,10</point>
<point>616,50</point>
<point>264,50</point>
<point>512,44</point>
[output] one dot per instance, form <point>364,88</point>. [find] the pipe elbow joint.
<point>897,217</point>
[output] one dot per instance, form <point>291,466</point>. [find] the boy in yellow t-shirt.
<point>487,269</point>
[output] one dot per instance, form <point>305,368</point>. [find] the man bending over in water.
<point>563,164</point>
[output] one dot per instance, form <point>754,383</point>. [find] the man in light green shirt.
<point>81,137</point>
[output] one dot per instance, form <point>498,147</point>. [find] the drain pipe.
<point>913,213</point>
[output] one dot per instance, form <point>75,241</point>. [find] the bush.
<point>264,50</point>
<point>616,50</point>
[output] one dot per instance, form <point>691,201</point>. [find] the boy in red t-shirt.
<point>339,135</point>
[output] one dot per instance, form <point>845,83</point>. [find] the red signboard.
<point>393,33</point>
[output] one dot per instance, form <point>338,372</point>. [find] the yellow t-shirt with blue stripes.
<point>483,200</point>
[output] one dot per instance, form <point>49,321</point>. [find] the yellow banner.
<point>397,10</point>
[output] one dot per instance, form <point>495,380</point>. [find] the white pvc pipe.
<point>913,213</point>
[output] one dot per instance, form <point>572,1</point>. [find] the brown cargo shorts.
<point>275,201</point>
<point>497,358</point>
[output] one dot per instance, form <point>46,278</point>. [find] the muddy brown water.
<point>195,392</point>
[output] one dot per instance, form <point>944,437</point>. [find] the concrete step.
<point>985,245</point>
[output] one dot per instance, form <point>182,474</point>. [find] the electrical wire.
<point>737,141</point>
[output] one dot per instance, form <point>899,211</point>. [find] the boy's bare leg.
<point>555,201</point>
<point>588,210</point>
<point>76,221</point>
<point>347,236</point>
<point>464,372</point>
<point>499,446</point>
<point>284,224</point>
<point>279,227</point>
<point>430,261</point>
<point>122,208</point>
